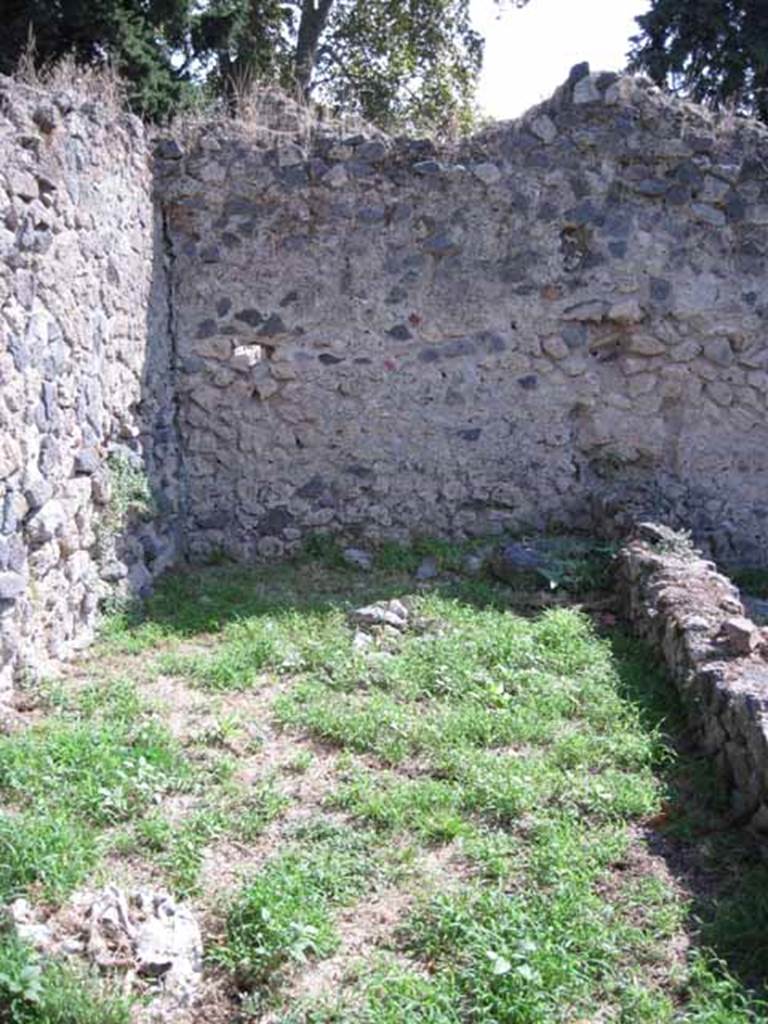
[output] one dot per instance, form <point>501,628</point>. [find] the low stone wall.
<point>683,606</point>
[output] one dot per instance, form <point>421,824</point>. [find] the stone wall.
<point>558,322</point>
<point>694,617</point>
<point>86,410</point>
<point>561,315</point>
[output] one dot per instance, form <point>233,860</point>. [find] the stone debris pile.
<point>148,939</point>
<point>392,614</point>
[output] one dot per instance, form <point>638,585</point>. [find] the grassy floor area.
<point>490,817</point>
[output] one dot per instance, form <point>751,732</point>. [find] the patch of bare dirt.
<point>228,861</point>
<point>182,706</point>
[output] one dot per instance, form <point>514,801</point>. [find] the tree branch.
<point>314,18</point>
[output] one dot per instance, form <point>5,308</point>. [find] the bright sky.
<point>529,52</point>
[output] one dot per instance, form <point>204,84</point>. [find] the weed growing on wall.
<point>130,498</point>
<point>130,493</point>
<point>674,542</point>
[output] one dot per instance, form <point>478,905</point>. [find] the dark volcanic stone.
<point>519,565</point>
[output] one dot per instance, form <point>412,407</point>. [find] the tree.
<point>140,38</point>
<point>235,42</point>
<point>393,61</point>
<point>716,51</point>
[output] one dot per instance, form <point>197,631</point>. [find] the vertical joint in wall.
<point>169,261</point>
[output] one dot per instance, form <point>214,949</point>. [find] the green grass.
<point>191,603</point>
<point>98,760</point>
<point>752,581</point>
<point>48,850</point>
<point>558,952</point>
<point>179,847</point>
<point>429,808</point>
<point>33,991</point>
<point>531,757</point>
<point>245,648</point>
<point>285,913</point>
<point>101,772</point>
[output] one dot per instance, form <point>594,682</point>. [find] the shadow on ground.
<point>722,868</point>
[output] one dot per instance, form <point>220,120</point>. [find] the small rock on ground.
<point>382,613</point>
<point>428,569</point>
<point>358,558</point>
<point>519,564</point>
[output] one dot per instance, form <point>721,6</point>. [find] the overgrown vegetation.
<point>395,63</point>
<point>504,788</point>
<point>285,913</point>
<point>95,762</point>
<point>178,848</point>
<point>674,542</point>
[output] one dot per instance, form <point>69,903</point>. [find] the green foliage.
<point>139,39</point>
<point>285,913</point>
<point>486,678</point>
<point>430,808</point>
<point>225,812</point>
<point>300,763</point>
<point>716,52</point>
<point>104,772</point>
<point>494,779</point>
<point>323,548</point>
<point>739,921</point>
<point>234,667</point>
<point>50,992</point>
<point>246,41</point>
<point>529,954</point>
<point>413,62</point>
<point>400,62</point>
<point>130,493</point>
<point>447,556</point>
<point>45,848</point>
<point>99,760</point>
<point>578,566</point>
<point>675,542</point>
<point>247,647</point>
<point>124,629</point>
<point>113,700</point>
